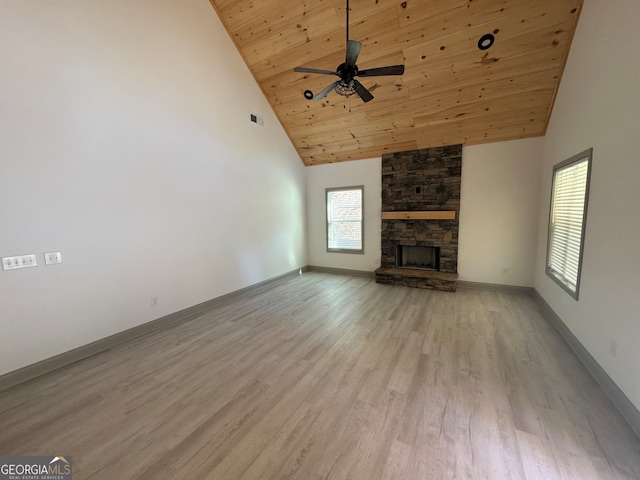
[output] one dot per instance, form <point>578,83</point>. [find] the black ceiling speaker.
<point>347,84</point>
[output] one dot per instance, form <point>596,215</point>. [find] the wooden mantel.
<point>422,215</point>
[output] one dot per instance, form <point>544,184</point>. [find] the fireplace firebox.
<point>422,258</point>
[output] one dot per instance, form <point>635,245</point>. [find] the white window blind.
<point>567,221</point>
<point>345,219</point>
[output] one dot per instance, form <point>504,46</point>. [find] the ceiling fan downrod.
<point>347,21</point>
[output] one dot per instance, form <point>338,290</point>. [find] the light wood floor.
<point>331,377</point>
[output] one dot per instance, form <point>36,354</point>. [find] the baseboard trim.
<point>47,365</point>
<point>496,287</point>
<point>628,410</point>
<point>341,271</point>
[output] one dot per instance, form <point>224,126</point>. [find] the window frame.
<point>587,156</point>
<point>329,190</point>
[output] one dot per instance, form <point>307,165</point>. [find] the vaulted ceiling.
<point>451,92</point>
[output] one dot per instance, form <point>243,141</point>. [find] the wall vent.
<point>256,119</point>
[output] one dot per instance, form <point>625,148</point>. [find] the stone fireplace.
<point>420,209</point>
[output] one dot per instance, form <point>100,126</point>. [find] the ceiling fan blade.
<point>380,71</point>
<point>313,70</point>
<point>324,92</point>
<point>361,90</point>
<point>353,50</point>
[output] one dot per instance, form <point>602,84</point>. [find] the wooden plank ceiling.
<point>451,92</point>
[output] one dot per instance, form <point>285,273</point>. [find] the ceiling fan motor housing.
<point>347,73</point>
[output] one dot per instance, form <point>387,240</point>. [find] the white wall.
<point>598,106</point>
<point>345,174</point>
<point>126,144</point>
<point>499,209</point>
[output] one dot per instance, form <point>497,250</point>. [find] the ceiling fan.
<point>347,85</point>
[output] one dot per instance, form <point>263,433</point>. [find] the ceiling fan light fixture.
<point>345,90</point>
<point>486,41</point>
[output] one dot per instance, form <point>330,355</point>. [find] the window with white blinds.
<point>345,219</point>
<point>567,220</point>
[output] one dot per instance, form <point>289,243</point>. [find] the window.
<point>345,219</point>
<point>567,221</point>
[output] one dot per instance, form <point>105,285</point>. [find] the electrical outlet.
<point>154,301</point>
<point>21,261</point>
<point>613,348</point>
<point>52,258</point>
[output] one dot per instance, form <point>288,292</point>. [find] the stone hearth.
<point>419,181</point>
